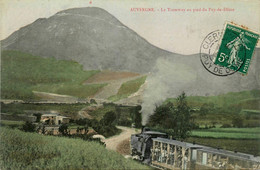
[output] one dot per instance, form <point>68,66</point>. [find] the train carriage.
<point>173,154</point>
<point>156,149</point>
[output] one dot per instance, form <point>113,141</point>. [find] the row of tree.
<point>175,120</point>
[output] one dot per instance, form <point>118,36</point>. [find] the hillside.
<point>21,150</point>
<point>20,78</point>
<point>58,80</point>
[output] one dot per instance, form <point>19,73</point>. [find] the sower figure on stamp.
<point>235,46</point>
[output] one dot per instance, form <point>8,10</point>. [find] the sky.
<point>175,31</point>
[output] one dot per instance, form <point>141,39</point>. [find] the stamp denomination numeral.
<point>222,57</point>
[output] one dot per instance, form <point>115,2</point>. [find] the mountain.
<point>90,36</point>
<point>97,40</point>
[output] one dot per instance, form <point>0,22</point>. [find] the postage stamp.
<point>236,48</point>
<point>208,53</point>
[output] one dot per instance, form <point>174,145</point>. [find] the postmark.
<point>208,53</point>
<point>236,48</point>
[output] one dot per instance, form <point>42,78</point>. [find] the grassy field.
<point>128,88</point>
<point>245,99</point>
<point>12,124</point>
<point>245,146</point>
<point>246,140</point>
<point>219,119</point>
<point>107,76</point>
<point>229,135</point>
<point>20,150</point>
<point>21,73</point>
<point>235,130</point>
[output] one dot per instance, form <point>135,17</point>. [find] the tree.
<point>175,119</point>
<point>43,130</point>
<point>137,117</point>
<point>161,113</point>
<point>63,129</point>
<point>109,118</point>
<point>81,121</point>
<point>28,127</point>
<point>183,117</point>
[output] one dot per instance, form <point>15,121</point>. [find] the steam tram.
<point>158,150</point>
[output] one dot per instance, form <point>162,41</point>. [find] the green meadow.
<point>245,99</point>
<point>22,73</point>
<point>128,88</point>
<point>230,133</point>
<point>21,150</point>
<point>250,146</point>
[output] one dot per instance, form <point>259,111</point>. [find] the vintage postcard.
<point>133,84</point>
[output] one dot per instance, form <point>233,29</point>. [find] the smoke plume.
<point>160,85</point>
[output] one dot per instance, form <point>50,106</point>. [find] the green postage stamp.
<point>236,48</point>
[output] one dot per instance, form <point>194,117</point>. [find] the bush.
<point>28,127</point>
<point>63,129</point>
<point>124,122</point>
<point>93,101</point>
<point>108,118</point>
<point>81,122</point>
<point>106,131</point>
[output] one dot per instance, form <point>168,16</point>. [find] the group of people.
<point>163,155</point>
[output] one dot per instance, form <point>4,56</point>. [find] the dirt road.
<point>113,142</point>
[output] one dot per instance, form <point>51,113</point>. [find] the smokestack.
<point>142,130</point>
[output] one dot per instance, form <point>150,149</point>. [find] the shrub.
<point>63,129</point>
<point>93,101</point>
<point>28,127</point>
<point>108,118</point>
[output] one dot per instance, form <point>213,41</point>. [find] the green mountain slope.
<point>128,88</point>
<point>22,73</point>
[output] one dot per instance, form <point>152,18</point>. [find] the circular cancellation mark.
<point>208,51</point>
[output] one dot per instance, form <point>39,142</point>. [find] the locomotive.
<point>141,144</point>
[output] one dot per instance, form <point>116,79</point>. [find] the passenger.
<point>185,161</point>
<point>171,160</point>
